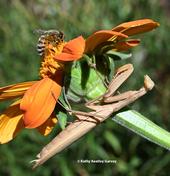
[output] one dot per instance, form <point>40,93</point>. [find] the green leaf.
<point>75,80</point>
<point>95,86</point>
<point>113,141</point>
<point>118,55</point>
<point>62,119</point>
<point>110,66</point>
<point>85,82</point>
<point>62,100</point>
<point>144,127</point>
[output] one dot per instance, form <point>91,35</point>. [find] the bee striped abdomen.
<point>49,37</point>
<point>41,45</point>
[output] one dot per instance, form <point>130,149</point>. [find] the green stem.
<point>144,127</point>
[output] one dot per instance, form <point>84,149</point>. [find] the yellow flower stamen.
<point>49,65</point>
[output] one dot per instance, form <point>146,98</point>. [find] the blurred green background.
<point>19,62</point>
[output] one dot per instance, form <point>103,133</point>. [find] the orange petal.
<point>14,90</point>
<point>136,27</point>
<point>73,50</point>
<point>125,45</point>
<point>39,102</point>
<point>48,125</point>
<point>99,37</point>
<point>11,122</point>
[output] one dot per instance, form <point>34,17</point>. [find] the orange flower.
<point>72,50</point>
<point>38,98</point>
<point>116,38</point>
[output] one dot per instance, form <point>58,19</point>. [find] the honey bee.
<point>48,37</point>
